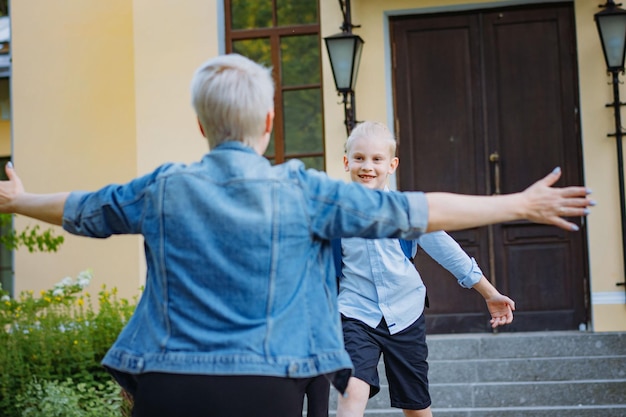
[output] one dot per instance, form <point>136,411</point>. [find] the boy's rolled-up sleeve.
<point>448,253</point>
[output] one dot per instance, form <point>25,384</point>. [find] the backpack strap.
<point>336,247</point>
<point>407,248</point>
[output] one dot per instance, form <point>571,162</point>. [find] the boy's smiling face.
<point>370,161</point>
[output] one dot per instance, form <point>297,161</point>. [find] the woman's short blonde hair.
<point>232,96</point>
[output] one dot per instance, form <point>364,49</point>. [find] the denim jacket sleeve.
<point>114,209</point>
<point>339,209</point>
<point>449,254</point>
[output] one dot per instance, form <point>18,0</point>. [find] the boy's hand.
<point>10,189</point>
<point>501,309</point>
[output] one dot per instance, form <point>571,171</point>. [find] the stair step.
<point>548,411</point>
<point>527,369</point>
<point>543,374</point>
<point>524,394</point>
<point>525,345</point>
<point>530,394</point>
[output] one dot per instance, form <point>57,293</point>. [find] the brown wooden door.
<point>486,102</point>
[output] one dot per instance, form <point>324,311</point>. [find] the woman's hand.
<point>549,205</point>
<point>10,190</point>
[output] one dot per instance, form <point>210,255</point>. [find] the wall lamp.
<point>344,51</point>
<point>611,23</point>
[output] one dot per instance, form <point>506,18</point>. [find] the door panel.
<point>443,73</point>
<point>486,103</point>
<point>529,84</point>
<point>530,81</point>
<point>439,122</point>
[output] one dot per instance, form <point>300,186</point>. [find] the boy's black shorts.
<point>404,356</point>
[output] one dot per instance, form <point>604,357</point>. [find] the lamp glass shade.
<point>612,29</point>
<point>344,51</point>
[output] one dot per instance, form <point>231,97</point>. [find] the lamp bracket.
<point>349,111</point>
<point>615,74</point>
<point>621,103</point>
<point>609,3</point>
<point>347,25</point>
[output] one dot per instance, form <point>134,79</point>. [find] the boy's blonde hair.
<point>370,129</point>
<point>232,96</point>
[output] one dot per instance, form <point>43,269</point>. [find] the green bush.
<point>51,347</point>
<point>32,238</point>
<point>68,399</point>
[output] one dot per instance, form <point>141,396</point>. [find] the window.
<point>285,35</point>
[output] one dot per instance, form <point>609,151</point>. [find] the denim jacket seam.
<point>163,270</point>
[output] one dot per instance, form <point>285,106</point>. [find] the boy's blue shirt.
<point>408,248</point>
<point>378,279</point>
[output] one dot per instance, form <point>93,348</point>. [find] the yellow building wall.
<point>334,129</point>
<point>5,138</point>
<point>74,125</point>
<point>601,175</point>
<point>171,40</point>
<point>101,95</point>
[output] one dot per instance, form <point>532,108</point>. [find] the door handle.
<point>494,159</point>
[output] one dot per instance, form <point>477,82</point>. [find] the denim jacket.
<point>239,266</point>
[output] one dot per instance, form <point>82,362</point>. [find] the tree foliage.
<point>32,238</point>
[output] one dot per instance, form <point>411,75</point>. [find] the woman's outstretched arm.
<point>13,199</point>
<point>539,203</point>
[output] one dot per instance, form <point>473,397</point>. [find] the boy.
<point>238,314</point>
<point>382,296</point>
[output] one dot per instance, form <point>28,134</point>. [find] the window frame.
<point>7,278</point>
<point>274,34</point>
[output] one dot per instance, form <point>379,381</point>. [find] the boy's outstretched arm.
<point>13,199</point>
<point>500,306</point>
<point>539,203</point>
<point>442,248</point>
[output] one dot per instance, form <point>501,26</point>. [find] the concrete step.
<point>521,394</point>
<point>530,394</point>
<point>527,369</point>
<point>525,345</point>
<point>595,411</point>
<point>551,374</point>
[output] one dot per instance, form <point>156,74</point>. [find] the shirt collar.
<point>234,145</point>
